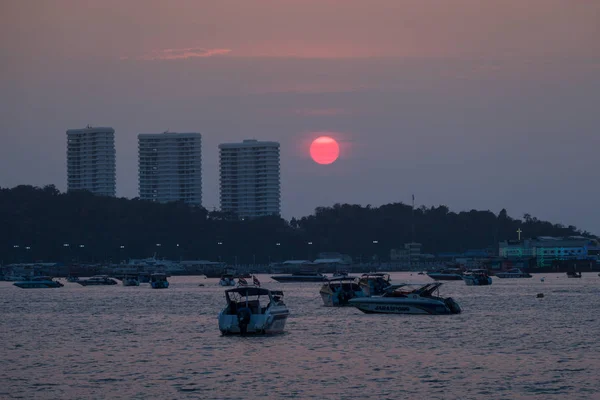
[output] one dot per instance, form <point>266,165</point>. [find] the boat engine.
<point>452,305</point>
<point>244,315</point>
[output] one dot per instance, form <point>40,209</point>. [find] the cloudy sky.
<point>475,104</point>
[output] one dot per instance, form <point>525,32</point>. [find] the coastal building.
<point>91,160</point>
<point>170,167</point>
<point>250,181</point>
<point>547,249</point>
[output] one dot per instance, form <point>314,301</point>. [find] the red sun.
<point>324,150</point>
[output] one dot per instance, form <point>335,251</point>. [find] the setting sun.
<point>324,150</point>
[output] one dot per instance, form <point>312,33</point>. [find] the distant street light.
<point>122,246</point>
<point>219,242</point>
<point>375,241</point>
<point>277,244</point>
<point>28,248</point>
<point>309,242</point>
<point>158,244</point>
<point>66,245</point>
<point>16,246</point>
<point>81,246</point>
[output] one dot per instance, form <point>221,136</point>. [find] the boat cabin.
<point>407,289</point>
<point>256,299</point>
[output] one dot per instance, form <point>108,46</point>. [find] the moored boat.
<point>477,277</point>
<point>159,281</point>
<point>374,283</point>
<point>408,299</point>
<point>573,274</point>
<point>131,280</point>
<point>246,311</point>
<point>38,282</point>
<point>227,280</point>
<point>454,274</point>
<point>300,277</point>
<point>97,280</point>
<point>338,291</point>
<point>513,273</point>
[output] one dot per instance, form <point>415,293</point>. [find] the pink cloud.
<point>181,54</point>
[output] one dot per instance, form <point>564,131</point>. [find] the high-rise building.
<point>250,183</point>
<point>91,160</point>
<point>170,167</point>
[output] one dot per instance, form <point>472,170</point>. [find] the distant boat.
<point>338,291</point>
<point>477,277</point>
<point>159,281</point>
<point>374,283</point>
<point>513,273</point>
<point>573,274</point>
<point>446,275</point>
<point>131,280</point>
<point>97,280</point>
<point>71,278</point>
<point>300,277</point>
<point>38,282</point>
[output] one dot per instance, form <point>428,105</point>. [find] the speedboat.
<point>337,291</point>
<point>159,281</point>
<point>573,274</point>
<point>513,273</point>
<point>374,283</point>
<point>131,280</point>
<point>477,277</point>
<point>38,282</point>
<point>97,280</point>
<point>227,280</point>
<point>251,309</point>
<point>446,275</point>
<point>300,277</point>
<point>408,298</point>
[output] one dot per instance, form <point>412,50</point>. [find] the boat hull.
<point>445,277</point>
<point>472,281</point>
<point>38,285</point>
<point>160,285</point>
<point>224,282</point>
<point>88,283</point>
<point>404,306</point>
<point>512,276</point>
<point>271,323</point>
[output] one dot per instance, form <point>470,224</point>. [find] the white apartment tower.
<point>250,184</point>
<point>170,167</point>
<point>91,160</point>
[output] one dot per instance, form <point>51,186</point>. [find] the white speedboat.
<point>477,277</point>
<point>97,280</point>
<point>38,282</point>
<point>338,291</point>
<point>513,273</point>
<point>251,309</point>
<point>375,283</point>
<point>408,298</point>
<point>453,274</point>
<point>227,280</point>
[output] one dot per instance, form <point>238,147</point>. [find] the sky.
<point>468,103</point>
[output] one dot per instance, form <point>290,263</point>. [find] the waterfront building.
<point>91,160</point>
<point>250,181</point>
<point>546,249</point>
<point>170,167</point>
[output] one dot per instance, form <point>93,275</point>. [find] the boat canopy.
<point>423,289</point>
<point>252,291</point>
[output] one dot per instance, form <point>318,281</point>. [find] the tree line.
<point>45,224</point>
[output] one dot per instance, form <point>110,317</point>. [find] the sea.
<point>115,342</point>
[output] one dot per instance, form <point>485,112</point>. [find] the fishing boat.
<point>159,281</point>
<point>573,274</point>
<point>374,283</point>
<point>131,280</point>
<point>513,273</point>
<point>38,282</point>
<point>338,291</point>
<point>408,298</point>
<point>251,309</point>
<point>453,274</point>
<point>227,280</point>
<point>97,280</point>
<point>477,277</point>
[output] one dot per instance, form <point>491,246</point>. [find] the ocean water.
<point>121,342</point>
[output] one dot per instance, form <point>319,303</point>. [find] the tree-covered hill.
<point>44,224</point>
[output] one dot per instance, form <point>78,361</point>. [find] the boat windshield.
<point>423,290</point>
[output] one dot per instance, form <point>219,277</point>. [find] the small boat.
<point>454,274</point>
<point>338,291</point>
<point>227,280</point>
<point>408,299</point>
<point>300,277</point>
<point>131,280</point>
<point>374,283</point>
<point>573,274</point>
<point>97,280</point>
<point>513,273</point>
<point>477,277</point>
<point>246,311</point>
<point>421,273</point>
<point>159,281</point>
<point>38,282</point>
